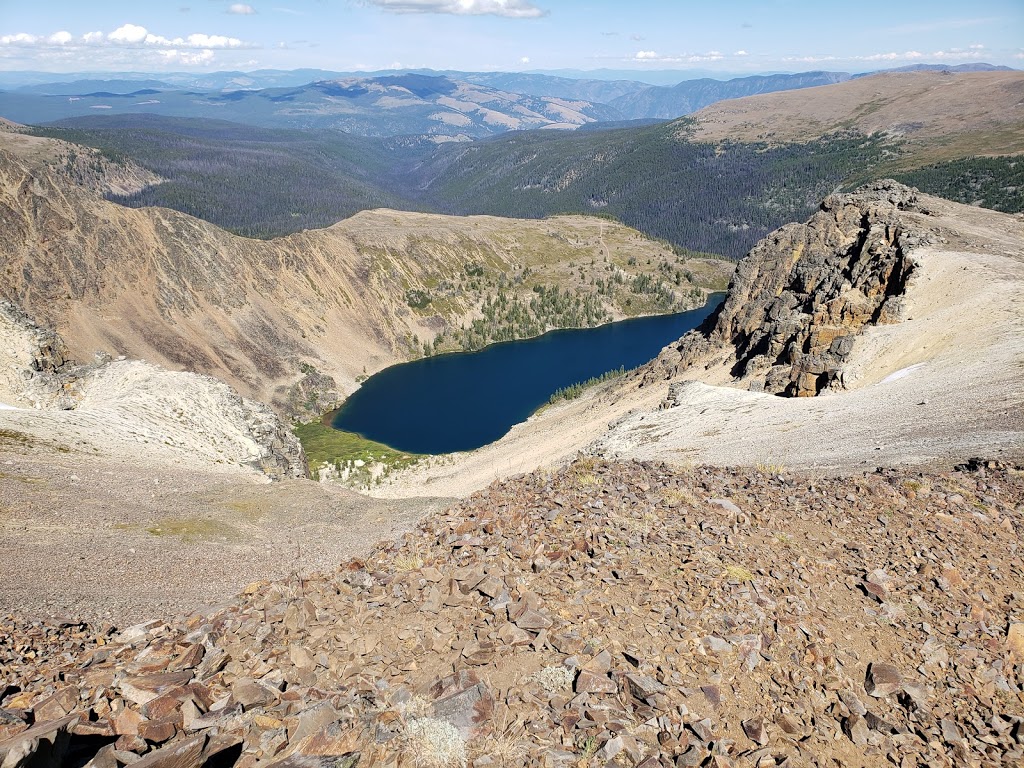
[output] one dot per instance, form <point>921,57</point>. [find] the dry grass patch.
<point>195,529</point>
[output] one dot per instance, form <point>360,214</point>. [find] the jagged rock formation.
<point>627,615</point>
<point>798,300</point>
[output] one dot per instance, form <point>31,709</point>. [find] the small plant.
<point>768,467</point>
<point>554,678</point>
<point>738,573</point>
<point>503,744</point>
<point>435,743</point>
<point>409,562</point>
<point>588,748</point>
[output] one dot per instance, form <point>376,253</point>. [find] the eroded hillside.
<point>294,321</point>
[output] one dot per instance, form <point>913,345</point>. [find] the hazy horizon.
<point>642,36</point>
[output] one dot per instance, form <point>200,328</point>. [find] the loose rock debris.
<point>608,614</point>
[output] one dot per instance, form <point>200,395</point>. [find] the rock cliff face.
<point>798,300</point>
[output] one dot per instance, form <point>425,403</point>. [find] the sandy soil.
<point>126,540</point>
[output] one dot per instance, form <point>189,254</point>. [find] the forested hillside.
<point>711,196</point>
<point>257,182</point>
<point>991,182</point>
<point>716,198</point>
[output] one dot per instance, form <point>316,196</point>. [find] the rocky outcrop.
<point>37,369</point>
<point>279,452</point>
<point>619,614</point>
<point>798,300</point>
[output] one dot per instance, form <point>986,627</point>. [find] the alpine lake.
<point>465,400</point>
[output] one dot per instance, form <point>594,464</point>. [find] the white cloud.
<point>907,55</point>
<point>524,60</point>
<point>513,9</point>
<point>241,9</point>
<point>683,58</point>
<point>21,38</point>
<point>132,34</point>
<point>953,54</point>
<point>130,45</point>
<point>976,47</point>
<point>191,58</point>
<point>128,33</point>
<point>741,53</point>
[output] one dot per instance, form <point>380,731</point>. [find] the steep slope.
<point>114,408</point>
<point>905,310</point>
<point>157,285</point>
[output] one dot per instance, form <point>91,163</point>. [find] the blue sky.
<point>732,36</point>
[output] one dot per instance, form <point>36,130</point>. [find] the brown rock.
<point>882,680</point>
<point>533,620</point>
<point>466,703</point>
<point>332,739</point>
<point>1015,641</point>
<point>856,729</point>
<point>42,744</point>
<point>186,754</point>
<point>126,722</point>
<point>593,676</point>
<point>755,730</point>
<point>644,687</point>
<point>56,706</point>
<point>250,693</point>
<point>143,689</point>
<point>157,731</point>
<point>511,635</point>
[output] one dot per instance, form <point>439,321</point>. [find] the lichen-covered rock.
<point>801,296</point>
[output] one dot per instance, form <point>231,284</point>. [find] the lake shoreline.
<point>461,401</point>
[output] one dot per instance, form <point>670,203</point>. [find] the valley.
<point>789,536</point>
<point>715,182</point>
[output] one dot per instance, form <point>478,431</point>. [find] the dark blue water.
<point>462,401</point>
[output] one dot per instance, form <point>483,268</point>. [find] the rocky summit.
<point>607,614</point>
<point>798,300</point>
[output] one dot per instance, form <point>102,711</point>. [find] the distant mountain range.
<point>444,106</point>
